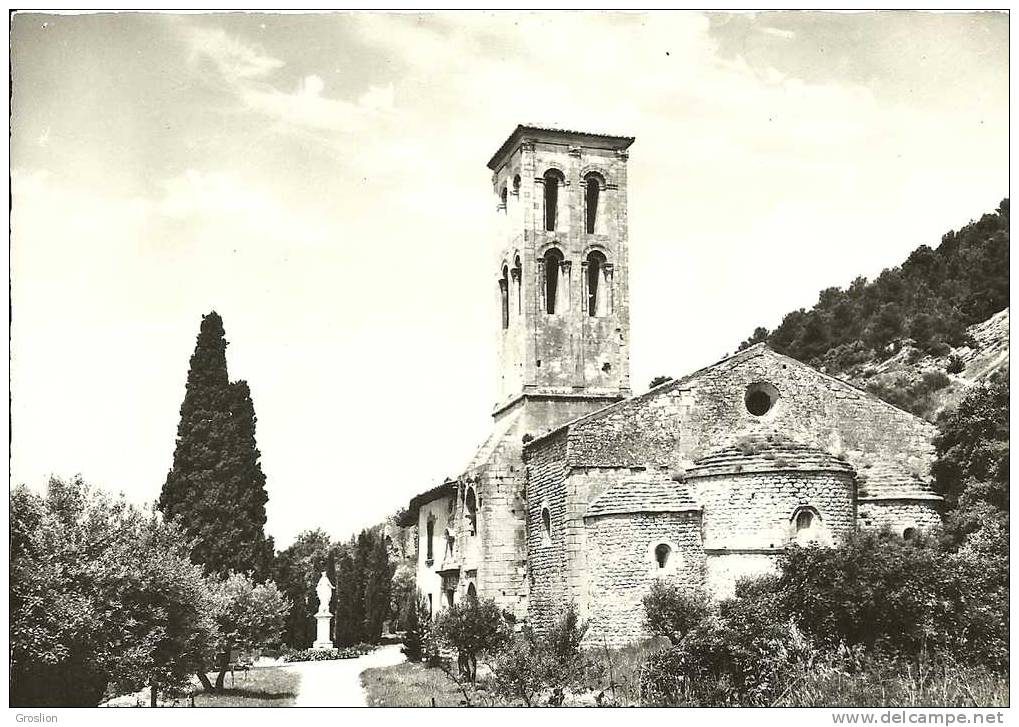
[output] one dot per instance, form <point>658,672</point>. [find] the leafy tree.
<point>297,570</point>
<point>473,628</point>
<point>216,488</point>
<point>248,615</point>
<point>378,581</point>
<point>672,612</point>
<point>104,599</point>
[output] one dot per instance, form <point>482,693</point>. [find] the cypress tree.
<point>216,488</point>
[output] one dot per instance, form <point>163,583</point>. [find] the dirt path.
<point>338,683</point>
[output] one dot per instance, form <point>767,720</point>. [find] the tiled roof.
<point>644,493</point>
<point>888,481</point>
<point>608,141</point>
<point>766,452</point>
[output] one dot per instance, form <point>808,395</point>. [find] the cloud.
<point>247,72</point>
<point>778,33</point>
<point>233,59</point>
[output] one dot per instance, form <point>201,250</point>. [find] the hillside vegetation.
<point>919,333</point>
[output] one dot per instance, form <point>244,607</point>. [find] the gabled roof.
<point>447,488</point>
<point>766,452</point>
<point>646,493</point>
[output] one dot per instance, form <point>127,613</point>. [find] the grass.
<point>409,685</point>
<point>269,686</point>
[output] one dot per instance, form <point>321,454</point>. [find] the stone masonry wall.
<point>546,563</point>
<point>899,514</point>
<point>684,420</point>
<point>749,519</point>
<point>623,568</point>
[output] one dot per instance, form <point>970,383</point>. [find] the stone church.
<point>585,493</point>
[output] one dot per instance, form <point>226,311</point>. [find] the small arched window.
<point>516,184</point>
<point>807,526</point>
<point>553,179</point>
<point>592,190</point>
<point>504,296</point>
<point>430,538</point>
<point>552,264</point>
<point>504,198</point>
<point>471,508</point>
<point>518,275</point>
<point>597,293</point>
<point>546,524</point>
<point>472,592</point>
<point>662,553</point>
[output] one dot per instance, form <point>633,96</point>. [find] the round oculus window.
<point>760,398</point>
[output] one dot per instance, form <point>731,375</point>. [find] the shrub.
<point>346,652</point>
<point>671,612</point>
<point>473,628</point>
<point>537,663</point>
<point>955,365</point>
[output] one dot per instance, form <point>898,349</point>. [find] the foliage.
<point>417,625</point>
<point>671,611</point>
<point>473,628</point>
<point>972,448</point>
<point>955,364</point>
<point>737,657</point>
<point>364,574</point>
<point>900,597</point>
<point>931,299</point>
<point>216,488</point>
<point>916,397</point>
<point>248,615</point>
<point>658,381</point>
<point>552,663</point>
<point>409,685</point>
<point>103,599</point>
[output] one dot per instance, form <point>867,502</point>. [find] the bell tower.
<point>562,273</point>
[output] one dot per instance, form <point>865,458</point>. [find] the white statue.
<point>324,589</point>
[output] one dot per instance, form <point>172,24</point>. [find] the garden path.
<point>338,683</point>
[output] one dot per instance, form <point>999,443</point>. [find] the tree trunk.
<point>224,666</point>
<point>152,696</point>
<point>206,684</point>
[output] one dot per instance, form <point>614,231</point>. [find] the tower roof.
<point>562,136</point>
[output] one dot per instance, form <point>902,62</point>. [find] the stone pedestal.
<point>322,640</point>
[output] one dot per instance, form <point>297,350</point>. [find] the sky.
<point>320,181</point>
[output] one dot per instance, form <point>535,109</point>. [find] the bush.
<point>955,365</point>
<point>534,664</point>
<point>346,652</point>
<point>740,657</point>
<point>672,612</point>
<point>473,628</point>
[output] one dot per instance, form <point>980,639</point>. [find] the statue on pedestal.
<point>324,590</point>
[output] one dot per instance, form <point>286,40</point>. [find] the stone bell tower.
<point>562,273</point>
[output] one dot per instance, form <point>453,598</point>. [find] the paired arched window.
<point>553,180</point>
<point>552,264</point>
<point>593,184</point>
<point>471,509</point>
<point>504,296</point>
<point>598,289</point>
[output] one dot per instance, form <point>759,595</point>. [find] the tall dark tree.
<point>216,488</point>
<point>297,571</point>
